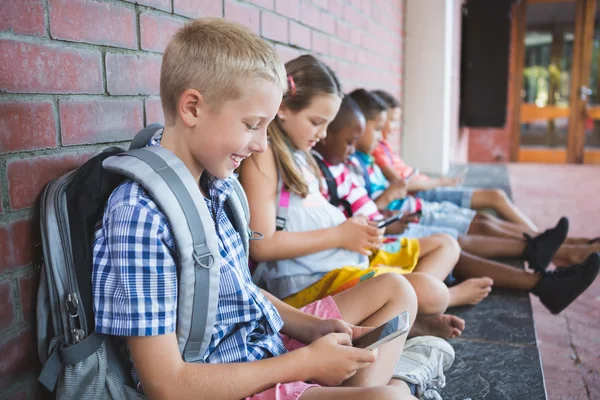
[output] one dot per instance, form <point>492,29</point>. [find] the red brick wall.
<point>77,75</point>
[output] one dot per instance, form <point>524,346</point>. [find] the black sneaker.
<point>560,287</point>
<point>540,250</point>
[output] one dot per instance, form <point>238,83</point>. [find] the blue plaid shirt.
<point>134,279</point>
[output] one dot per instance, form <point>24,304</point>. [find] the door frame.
<point>585,11</point>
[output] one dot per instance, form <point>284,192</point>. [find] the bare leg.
<point>504,276</point>
<point>498,247</point>
<point>396,391</point>
<point>372,303</point>
<point>439,253</point>
<point>499,202</point>
<point>487,225</point>
<point>490,246</point>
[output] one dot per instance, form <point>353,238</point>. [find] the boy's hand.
<point>447,181</point>
<point>398,190</point>
<point>326,326</point>
<point>331,359</point>
<point>359,235</point>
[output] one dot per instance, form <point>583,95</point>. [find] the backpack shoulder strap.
<point>142,138</point>
<point>173,187</point>
<point>332,188</point>
<point>283,204</point>
<point>365,173</point>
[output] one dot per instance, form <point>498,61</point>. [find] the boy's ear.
<point>190,104</point>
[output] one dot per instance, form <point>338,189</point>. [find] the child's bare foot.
<point>470,292</point>
<point>444,326</point>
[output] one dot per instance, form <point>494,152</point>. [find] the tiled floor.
<point>569,342</point>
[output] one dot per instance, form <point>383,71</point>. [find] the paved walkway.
<point>570,342</point>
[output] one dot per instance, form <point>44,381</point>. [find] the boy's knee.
<point>449,243</point>
<point>432,294</point>
<point>400,291</point>
<point>497,196</point>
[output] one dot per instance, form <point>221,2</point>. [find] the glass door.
<point>590,88</point>
<point>547,49</point>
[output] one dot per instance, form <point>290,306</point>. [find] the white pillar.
<point>430,103</point>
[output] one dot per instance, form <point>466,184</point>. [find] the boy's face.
<point>392,125</point>
<point>306,127</point>
<point>369,140</point>
<point>222,139</point>
<point>339,146</point>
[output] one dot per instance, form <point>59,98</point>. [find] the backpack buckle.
<point>202,256</point>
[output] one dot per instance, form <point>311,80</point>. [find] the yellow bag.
<point>399,256</point>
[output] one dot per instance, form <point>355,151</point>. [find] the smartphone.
<point>390,330</point>
<point>414,172</point>
<point>385,222</point>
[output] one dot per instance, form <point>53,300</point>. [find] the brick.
<point>154,111</point>
<point>99,121</point>
<point>343,31</point>
<point>15,244</point>
<point>300,35</point>
<point>26,126</point>
<point>19,357</point>
<point>287,53</point>
<point>289,8</point>
<point>357,37</point>
<point>198,8</point>
<point>156,31</point>
<point>7,310</point>
<point>35,68</point>
<point>27,177</point>
<point>337,8</point>
<point>269,4</point>
<point>327,23</point>
<point>245,15</point>
<point>320,42</point>
<point>164,5</point>
<point>28,286</point>
<point>321,3</point>
<point>131,74</point>
<point>24,17</point>
<point>274,27</point>
<point>310,15</point>
<point>92,22</point>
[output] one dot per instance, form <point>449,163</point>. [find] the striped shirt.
<point>350,189</point>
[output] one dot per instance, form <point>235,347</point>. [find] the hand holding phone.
<point>384,333</point>
<point>385,222</point>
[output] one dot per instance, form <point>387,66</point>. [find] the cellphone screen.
<point>383,333</point>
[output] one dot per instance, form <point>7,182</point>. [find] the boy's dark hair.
<point>369,103</point>
<point>348,110</point>
<point>391,100</point>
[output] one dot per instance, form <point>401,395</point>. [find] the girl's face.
<point>369,140</point>
<point>392,125</point>
<point>306,127</point>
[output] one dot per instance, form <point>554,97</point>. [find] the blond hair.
<point>310,78</point>
<point>215,57</point>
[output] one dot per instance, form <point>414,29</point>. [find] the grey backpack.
<point>79,363</point>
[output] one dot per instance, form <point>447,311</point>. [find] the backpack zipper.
<point>74,306</point>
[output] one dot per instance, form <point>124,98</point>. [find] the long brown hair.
<point>308,77</point>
